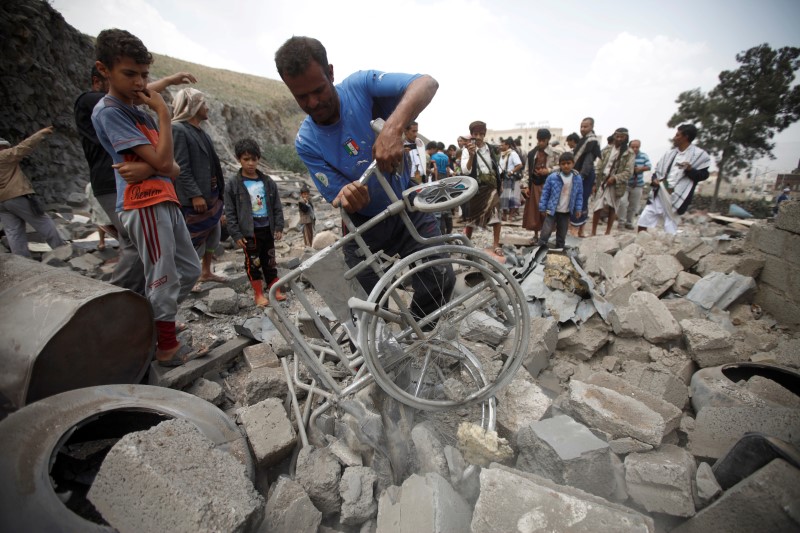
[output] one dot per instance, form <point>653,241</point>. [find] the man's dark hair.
<point>689,130</point>
<point>566,156</point>
<point>297,53</point>
<point>440,146</point>
<point>431,146</point>
<point>543,134</point>
<point>590,119</point>
<point>114,44</point>
<point>574,137</point>
<point>610,139</point>
<point>246,146</point>
<point>95,74</point>
<point>452,147</point>
<point>412,123</point>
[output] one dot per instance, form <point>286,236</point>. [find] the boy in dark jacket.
<point>255,219</point>
<point>562,195</point>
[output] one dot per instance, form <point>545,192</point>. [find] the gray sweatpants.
<point>170,262</point>
<point>129,272</point>
<point>14,213</point>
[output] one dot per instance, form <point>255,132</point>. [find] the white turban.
<point>187,103</point>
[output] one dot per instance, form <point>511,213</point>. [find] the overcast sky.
<point>505,63</point>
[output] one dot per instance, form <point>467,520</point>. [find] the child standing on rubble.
<point>562,195</point>
<point>255,219</point>
<point>307,217</point>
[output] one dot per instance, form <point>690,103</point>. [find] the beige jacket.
<point>13,182</point>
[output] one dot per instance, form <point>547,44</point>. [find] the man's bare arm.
<point>179,78</point>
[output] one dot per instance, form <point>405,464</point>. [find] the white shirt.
<point>566,189</point>
<point>482,167</point>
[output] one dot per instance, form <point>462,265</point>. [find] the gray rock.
<point>264,382</point>
<point>85,262</point>
<point>172,478</point>
<point>658,382</point>
<point>481,326</point>
<point>464,479</point>
<point>626,322</point>
<point>627,445</point>
<point>430,450</point>
<point>707,487</point>
<point>289,509</point>
<point>357,492</point>
<point>585,341</point>
<point>261,355</point>
<point>541,344</point>
<point>521,403</point>
<point>209,391</point>
<point>426,503</point>
<point>709,344</point>
<point>661,480</point>
<point>720,290</point>
<point>657,273</point>
<point>681,308</point>
<point>269,430</point>
<point>630,349</point>
<point>319,473</point>
<point>657,322</point>
<point>62,254</point>
<point>223,300</point>
<point>684,283</point>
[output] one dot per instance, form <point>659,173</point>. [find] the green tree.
<point>739,117</point>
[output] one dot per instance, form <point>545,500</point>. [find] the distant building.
<point>788,180</point>
<point>527,135</point>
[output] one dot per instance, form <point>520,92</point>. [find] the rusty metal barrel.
<point>61,331</point>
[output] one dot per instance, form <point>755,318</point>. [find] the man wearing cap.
<point>18,201</point>
<point>782,198</point>
<point>614,169</point>
<point>200,184</point>
<point>480,161</point>
<point>542,161</point>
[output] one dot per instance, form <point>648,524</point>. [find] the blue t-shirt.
<point>441,161</point>
<point>338,154</point>
<point>258,202</point>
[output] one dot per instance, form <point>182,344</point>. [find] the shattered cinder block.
<point>657,273</point>
<point>261,355</point>
<point>692,250</point>
<point>661,480</point>
<point>223,300</point>
<point>585,341</point>
<point>289,509</point>
<point>657,323</point>
<point>172,478</point>
<point>269,431</point>
<point>519,404</point>
<point>684,283</point>
<point>682,309</point>
<point>479,325</point>
<point>614,413</point>
<point>264,382</point>
<point>765,501</point>
<point>357,492</point>
<point>207,390</point>
<point>626,322</point>
<point>657,381</point>
<point>430,450</point>
<point>630,349</point>
<point>511,500</point>
<point>748,264</point>
<point>426,503</point>
<point>319,473</point>
<point>541,344</point>
<point>565,451</point>
<point>708,343</point>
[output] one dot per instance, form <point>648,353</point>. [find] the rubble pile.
<point>648,363</point>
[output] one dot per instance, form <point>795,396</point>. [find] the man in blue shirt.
<point>636,183</point>
<point>337,143</point>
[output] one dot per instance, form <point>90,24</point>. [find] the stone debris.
<point>584,341</point>
<point>320,473</point>
<point>209,391</point>
<point>145,473</point>
<point>289,509</point>
<point>481,447</point>
<point>223,300</point>
<point>271,434</point>
<point>357,492</point>
<point>430,450</point>
<point>661,480</point>
<point>657,273</point>
<point>541,344</point>
<point>260,355</point>
<point>520,404</point>
<point>423,503</point>
<point>708,343</point>
<point>658,325</point>
<point>706,486</point>
<point>264,382</point>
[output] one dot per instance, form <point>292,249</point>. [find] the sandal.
<point>181,327</point>
<point>182,355</point>
<point>212,277</point>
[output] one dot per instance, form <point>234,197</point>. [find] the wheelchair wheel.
<point>439,317</point>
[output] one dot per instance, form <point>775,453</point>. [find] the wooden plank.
<point>730,220</point>
<point>181,376</point>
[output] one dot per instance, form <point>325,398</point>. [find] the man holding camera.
<point>479,160</point>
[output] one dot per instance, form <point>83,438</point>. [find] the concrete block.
<point>684,283</point>
<point>765,501</point>
<point>85,262</point>
<point>619,295</point>
<point>668,412</point>
<point>265,382</point>
<point>319,473</point>
<point>541,344</point>
<point>600,264</point>
<point>681,308</point>
<point>661,480</point>
<point>357,491</point>
<point>481,326</point>
<point>289,509</point>
<point>720,290</point>
<point>172,478</point>
<point>772,392</point>
<point>692,251</point>
<point>707,488</point>
<point>768,239</point>
<point>629,349</point>
<point>658,382</point>
<point>426,503</point>
<point>223,300</point>
<point>616,414</point>
<point>627,445</point>
<point>626,322</point>
<point>774,301</point>
<point>604,244</point>
<point>261,355</point>
<point>624,263</point>
<point>789,216</point>
<point>657,322</point>
<point>747,264</point>
<point>521,403</point>
<point>481,447</point>
<point>430,450</point>
<point>565,451</point>
<point>585,341</point>
<point>209,391</point>
<point>708,343</point>
<point>782,275</point>
<point>269,431</point>
<point>657,273</point>
<point>466,483</point>
<point>718,428</point>
<point>511,500</point>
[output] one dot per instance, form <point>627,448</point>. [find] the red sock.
<point>165,332</point>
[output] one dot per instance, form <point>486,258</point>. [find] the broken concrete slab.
<point>269,430</point>
<point>616,414</point>
<point>681,308</point>
<point>463,477</point>
<point>626,322</point>
<point>426,503</point>
<point>479,325</point>
<point>541,344</point>
<point>319,473</point>
<point>720,290</point>
<point>600,264</point>
<point>584,341</point>
<point>624,264</point>
<point>619,295</point>
<point>657,322</point>
<point>718,428</point>
<point>708,343</point>
<point>207,390</point>
<point>661,480</point>
<point>691,251</point>
<point>520,404</point>
<point>707,488</point>
<point>748,264</point>
<point>658,381</point>
<point>657,273</point>
<point>566,452</point>
<point>604,244</point>
<point>430,450</point>
<point>629,349</point>
<point>765,501</point>
<point>61,254</point>
<point>172,478</point>
<point>562,305</point>
<point>85,262</point>
<point>511,500</point>
<point>626,445</point>
<point>358,498</point>
<point>481,447</point>
<point>223,300</point>
<point>289,509</point>
<point>684,283</point>
<point>264,382</point>
<point>668,412</point>
<point>261,355</point>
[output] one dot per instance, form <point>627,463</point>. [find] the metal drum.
<point>61,331</point>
